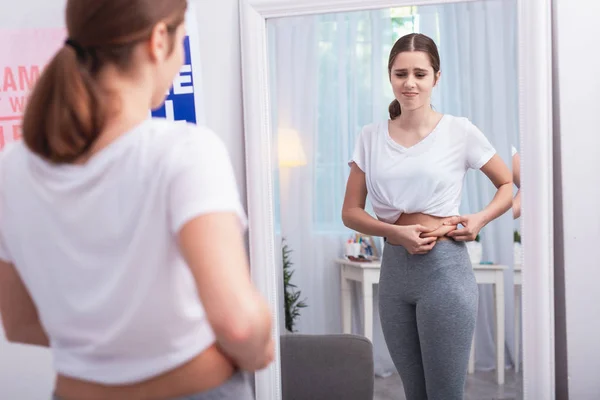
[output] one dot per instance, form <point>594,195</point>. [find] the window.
<point>354,90</point>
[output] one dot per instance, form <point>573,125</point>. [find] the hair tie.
<point>79,50</point>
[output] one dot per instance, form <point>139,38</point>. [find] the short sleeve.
<point>479,148</point>
<point>358,156</point>
<point>202,179</point>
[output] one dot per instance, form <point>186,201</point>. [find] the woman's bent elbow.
<point>245,326</point>
<point>348,214</point>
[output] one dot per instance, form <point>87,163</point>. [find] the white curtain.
<point>328,79</point>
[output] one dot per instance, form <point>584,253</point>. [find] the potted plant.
<point>518,252</point>
<point>293,304</point>
<point>475,250</point>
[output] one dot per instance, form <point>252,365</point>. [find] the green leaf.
<point>292,301</point>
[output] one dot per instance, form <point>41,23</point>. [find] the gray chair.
<point>326,367</point>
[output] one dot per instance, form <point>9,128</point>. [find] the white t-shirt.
<point>95,245</point>
<point>425,178</point>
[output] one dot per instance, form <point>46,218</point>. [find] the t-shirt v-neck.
<point>419,147</point>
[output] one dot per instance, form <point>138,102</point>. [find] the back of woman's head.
<point>67,110</point>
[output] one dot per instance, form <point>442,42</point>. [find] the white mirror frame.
<point>535,122</point>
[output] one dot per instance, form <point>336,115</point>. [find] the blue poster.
<point>180,103</point>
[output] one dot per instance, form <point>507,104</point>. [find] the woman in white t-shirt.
<point>121,237</point>
<point>412,166</point>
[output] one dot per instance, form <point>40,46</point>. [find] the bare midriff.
<point>206,371</point>
<point>429,221</point>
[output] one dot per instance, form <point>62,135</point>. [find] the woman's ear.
<point>159,42</point>
<point>437,78</point>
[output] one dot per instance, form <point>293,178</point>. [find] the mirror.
<point>329,79</point>
<point>316,79</point>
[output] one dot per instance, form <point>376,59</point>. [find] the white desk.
<point>367,273</point>
<point>494,275</point>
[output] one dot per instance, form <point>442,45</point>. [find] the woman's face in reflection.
<point>412,78</point>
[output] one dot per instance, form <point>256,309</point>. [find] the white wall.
<point>220,48</point>
<point>26,372</point>
<point>576,34</point>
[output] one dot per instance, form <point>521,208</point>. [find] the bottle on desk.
<point>353,246</point>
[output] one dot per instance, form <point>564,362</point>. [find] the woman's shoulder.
<point>182,134</point>
<point>460,126</point>
<point>12,150</point>
<point>163,126</point>
<point>373,129</point>
<point>175,144</point>
<point>456,120</point>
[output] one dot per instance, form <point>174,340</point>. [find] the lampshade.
<point>291,152</point>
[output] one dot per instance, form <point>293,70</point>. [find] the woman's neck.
<point>416,120</point>
<point>132,95</point>
<point>130,105</point>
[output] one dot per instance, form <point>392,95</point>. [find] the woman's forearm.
<point>361,221</point>
<point>516,206</point>
<point>501,203</point>
<point>32,334</point>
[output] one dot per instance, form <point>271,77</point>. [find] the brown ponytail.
<point>66,111</point>
<point>64,114</point>
<point>412,42</point>
<point>394,109</point>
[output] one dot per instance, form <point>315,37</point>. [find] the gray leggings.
<point>428,306</point>
<point>236,388</point>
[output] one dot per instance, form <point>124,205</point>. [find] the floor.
<point>480,386</point>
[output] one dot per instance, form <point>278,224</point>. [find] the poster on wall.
<point>184,101</point>
<point>25,52</point>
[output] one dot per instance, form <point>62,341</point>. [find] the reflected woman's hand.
<point>472,225</point>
